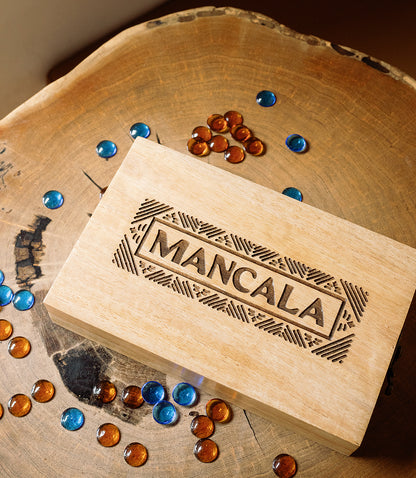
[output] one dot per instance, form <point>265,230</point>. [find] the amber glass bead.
<point>105,391</point>
<point>19,347</point>
<point>1,410</point>
<point>233,118</point>
<point>217,123</point>
<point>43,391</point>
<point>218,410</point>
<point>19,405</point>
<point>108,435</point>
<point>218,143</point>
<point>199,148</point>
<point>132,396</point>
<point>135,454</point>
<point>284,466</point>
<point>241,133</point>
<point>201,133</point>
<point>206,450</point>
<point>254,146</point>
<point>6,329</point>
<point>234,154</point>
<point>202,426</point>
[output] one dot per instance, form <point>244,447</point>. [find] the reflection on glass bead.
<point>23,300</point>
<point>19,347</point>
<point>140,129</point>
<point>19,405</point>
<point>234,154</point>
<point>108,435</point>
<point>241,133</point>
<point>201,133</point>
<point>135,454</point>
<point>43,391</point>
<point>132,396</point>
<point>206,450</point>
<point>233,118</point>
<point>218,143</point>
<point>217,123</point>
<point>202,426</point>
<point>199,148</point>
<point>293,193</point>
<point>153,392</point>
<point>6,295</point>
<point>1,410</point>
<point>284,466</point>
<point>105,391</point>
<point>184,394</point>
<point>165,413</point>
<point>53,199</point>
<point>106,149</point>
<point>218,410</point>
<point>296,143</point>
<point>266,98</point>
<point>1,277</point>
<point>72,419</point>
<point>254,146</point>
<point>6,329</point>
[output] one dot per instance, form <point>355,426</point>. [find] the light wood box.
<point>267,302</point>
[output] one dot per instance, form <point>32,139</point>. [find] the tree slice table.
<point>358,116</point>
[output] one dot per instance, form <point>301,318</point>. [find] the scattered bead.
<point>23,300</point>
<point>184,394</point>
<point>105,391</point>
<point>139,129</point>
<point>106,149</point>
<point>296,143</point>
<point>1,277</point>
<point>202,426</point>
<point>284,466</point>
<point>217,123</point>
<point>201,133</point>
<point>108,435</point>
<point>218,143</point>
<point>254,146</point>
<point>132,396</point>
<point>53,199</point>
<point>43,391</point>
<point>6,329</point>
<point>241,133</point>
<point>6,295</point>
<point>135,454</point>
<point>206,450</point>
<point>165,413</point>
<point>19,405</point>
<point>234,154</point>
<point>293,193</point>
<point>198,148</point>
<point>153,392</point>
<point>72,419</point>
<point>233,118</point>
<point>19,347</point>
<point>1,410</point>
<point>266,98</point>
<point>218,410</point>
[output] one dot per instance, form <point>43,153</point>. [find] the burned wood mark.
<point>5,167</point>
<point>374,64</point>
<point>341,50</point>
<point>28,250</point>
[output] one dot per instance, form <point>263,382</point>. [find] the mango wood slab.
<point>358,117</point>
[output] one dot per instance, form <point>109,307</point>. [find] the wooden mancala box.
<point>267,302</point>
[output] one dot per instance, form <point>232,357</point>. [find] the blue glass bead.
<point>139,129</point>
<point>6,295</point>
<point>266,98</point>
<point>53,199</point>
<point>184,394</point>
<point>23,300</point>
<point>165,413</point>
<point>153,392</point>
<point>293,193</point>
<point>296,143</point>
<point>106,149</point>
<point>1,277</point>
<point>72,419</point>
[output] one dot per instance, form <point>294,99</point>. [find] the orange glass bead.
<point>206,450</point>
<point>234,154</point>
<point>199,148</point>
<point>1,410</point>
<point>132,396</point>
<point>217,123</point>
<point>233,118</point>
<point>218,143</point>
<point>201,133</point>
<point>254,146</point>
<point>19,347</point>
<point>241,133</point>
<point>108,435</point>
<point>105,391</point>
<point>284,466</point>
<point>6,329</point>
<point>43,391</point>
<point>202,426</point>
<point>19,405</point>
<point>135,454</point>
<point>218,410</point>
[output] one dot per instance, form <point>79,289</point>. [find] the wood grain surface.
<point>358,117</point>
